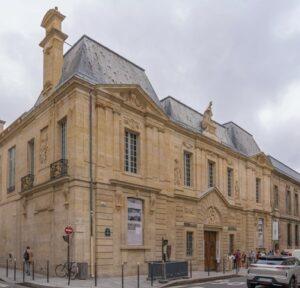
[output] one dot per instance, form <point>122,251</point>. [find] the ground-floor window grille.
<point>189,243</point>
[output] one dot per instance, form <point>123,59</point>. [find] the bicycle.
<point>61,270</point>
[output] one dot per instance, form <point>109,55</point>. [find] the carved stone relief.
<point>132,124</point>
<point>152,202</point>
<point>177,173</point>
<point>44,146</point>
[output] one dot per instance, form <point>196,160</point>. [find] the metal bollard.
<point>96,275</point>
<point>15,269</point>
<point>208,269</point>
<point>138,275</point>
<point>122,275</point>
<point>191,269</point>
<point>47,271</point>
<point>6,268</point>
<point>33,270</point>
<point>23,271</point>
<point>151,273</point>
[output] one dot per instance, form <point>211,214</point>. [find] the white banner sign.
<point>135,225</point>
<point>275,231</point>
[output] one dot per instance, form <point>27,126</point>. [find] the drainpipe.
<point>92,247</point>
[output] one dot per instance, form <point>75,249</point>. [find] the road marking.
<point>3,285</point>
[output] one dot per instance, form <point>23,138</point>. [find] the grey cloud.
<point>226,51</point>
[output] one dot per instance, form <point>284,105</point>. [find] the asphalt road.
<point>238,282</point>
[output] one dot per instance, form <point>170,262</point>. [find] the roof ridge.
<point>84,36</point>
<point>284,164</point>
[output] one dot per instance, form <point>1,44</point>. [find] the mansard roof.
<point>228,134</point>
<point>284,169</point>
<point>98,64</point>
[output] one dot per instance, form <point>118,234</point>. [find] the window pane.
<point>189,243</point>
<point>30,156</point>
<point>211,174</point>
<point>258,190</point>
<point>187,169</point>
<point>229,181</point>
<point>11,167</point>
<point>131,142</point>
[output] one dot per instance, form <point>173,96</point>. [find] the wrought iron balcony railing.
<point>27,182</point>
<point>59,169</point>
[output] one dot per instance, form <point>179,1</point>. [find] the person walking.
<point>28,256</point>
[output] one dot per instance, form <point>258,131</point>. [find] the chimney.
<point>2,123</point>
<point>52,46</point>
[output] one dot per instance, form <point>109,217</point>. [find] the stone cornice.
<point>134,186</point>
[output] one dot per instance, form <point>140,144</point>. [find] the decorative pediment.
<point>216,195</point>
<point>135,97</point>
<point>262,160</point>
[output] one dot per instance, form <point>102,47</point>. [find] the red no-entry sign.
<point>68,230</point>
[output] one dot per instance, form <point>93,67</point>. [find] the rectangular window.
<point>231,244</point>
<point>296,205</point>
<point>187,169</point>
<point>258,190</point>
<point>288,202</point>
<point>296,235</point>
<point>30,157</point>
<point>131,146</point>
<point>11,169</point>
<point>260,231</point>
<point>189,243</point>
<point>211,174</point>
<point>229,181</point>
<point>289,236</point>
<point>135,222</point>
<point>276,197</point>
<point>63,138</point>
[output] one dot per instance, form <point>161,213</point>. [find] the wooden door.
<point>210,242</point>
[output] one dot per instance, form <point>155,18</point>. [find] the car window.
<point>270,261</point>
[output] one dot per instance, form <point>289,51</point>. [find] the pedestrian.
<point>28,257</point>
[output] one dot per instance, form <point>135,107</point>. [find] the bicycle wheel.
<point>60,270</point>
<point>74,271</point>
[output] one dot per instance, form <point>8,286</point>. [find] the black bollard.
<point>138,275</point>
<point>151,273</point>
<point>15,270</point>
<point>122,275</point>
<point>223,265</point>
<point>23,271</point>
<point>96,275</point>
<point>191,269</point>
<point>47,271</point>
<point>33,270</point>
<point>208,269</point>
<point>6,268</point>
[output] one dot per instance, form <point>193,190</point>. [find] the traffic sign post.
<point>68,231</point>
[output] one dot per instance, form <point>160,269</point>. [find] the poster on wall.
<point>260,232</point>
<point>275,233</point>
<point>135,224</point>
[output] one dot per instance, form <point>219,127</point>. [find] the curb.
<point>200,280</point>
<point>34,285</point>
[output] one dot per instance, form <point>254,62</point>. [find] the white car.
<point>274,271</point>
<point>296,254</point>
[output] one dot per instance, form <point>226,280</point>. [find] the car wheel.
<point>249,285</point>
<point>293,283</point>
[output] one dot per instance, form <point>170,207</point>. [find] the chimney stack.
<point>2,123</point>
<point>52,46</point>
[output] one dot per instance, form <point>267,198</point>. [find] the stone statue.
<point>237,188</point>
<point>207,116</point>
<point>177,173</point>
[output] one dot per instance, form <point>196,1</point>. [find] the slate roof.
<point>228,134</point>
<point>284,169</point>
<point>98,64</point>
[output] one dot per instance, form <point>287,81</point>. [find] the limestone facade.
<point>82,181</point>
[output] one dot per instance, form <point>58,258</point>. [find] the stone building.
<point>100,151</point>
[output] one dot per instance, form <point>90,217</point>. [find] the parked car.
<point>274,271</point>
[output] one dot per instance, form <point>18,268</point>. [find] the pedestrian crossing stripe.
<point>3,285</point>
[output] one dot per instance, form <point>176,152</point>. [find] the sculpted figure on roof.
<point>207,116</point>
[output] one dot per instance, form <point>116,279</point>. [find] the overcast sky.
<point>242,55</point>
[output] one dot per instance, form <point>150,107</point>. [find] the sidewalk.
<point>113,282</point>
